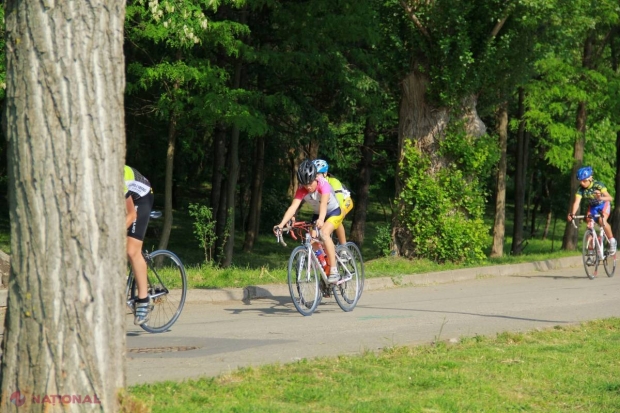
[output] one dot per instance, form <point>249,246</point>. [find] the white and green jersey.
<point>136,185</point>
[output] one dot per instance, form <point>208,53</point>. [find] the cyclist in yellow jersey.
<point>342,195</point>
<point>138,202</point>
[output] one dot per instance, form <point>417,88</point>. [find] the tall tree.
<point>64,328</point>
<point>497,249</point>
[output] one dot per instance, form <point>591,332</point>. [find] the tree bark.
<point>517,231</point>
<point>358,226</point>
<point>65,325</point>
<point>499,227</point>
<point>256,195</point>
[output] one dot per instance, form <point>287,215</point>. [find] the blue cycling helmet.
<point>321,166</point>
<point>584,173</point>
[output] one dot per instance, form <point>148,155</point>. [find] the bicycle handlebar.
<point>292,227</point>
<point>576,217</point>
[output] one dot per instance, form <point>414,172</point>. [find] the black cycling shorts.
<point>143,207</point>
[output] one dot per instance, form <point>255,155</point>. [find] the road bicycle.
<point>307,277</point>
<point>167,286</point>
<point>595,248</point>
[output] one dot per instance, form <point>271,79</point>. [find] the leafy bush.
<point>204,228</point>
<point>383,240</point>
<point>443,209</point>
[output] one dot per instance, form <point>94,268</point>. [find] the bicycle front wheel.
<point>347,292</point>
<point>609,262</point>
<point>303,281</point>
<point>167,284</point>
<point>589,254</point>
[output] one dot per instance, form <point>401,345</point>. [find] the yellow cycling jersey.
<point>342,194</point>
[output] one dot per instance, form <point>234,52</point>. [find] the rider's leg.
<point>138,265</point>
<point>342,237</point>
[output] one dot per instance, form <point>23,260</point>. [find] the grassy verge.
<point>564,369</point>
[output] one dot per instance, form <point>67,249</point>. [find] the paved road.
<point>216,338</point>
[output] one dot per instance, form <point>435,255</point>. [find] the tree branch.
<point>414,18</point>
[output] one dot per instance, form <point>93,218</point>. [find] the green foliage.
<point>204,228</point>
<point>383,240</point>
<point>443,210</point>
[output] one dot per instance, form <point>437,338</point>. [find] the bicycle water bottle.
<point>321,256</point>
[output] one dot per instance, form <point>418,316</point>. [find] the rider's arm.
<point>575,208</point>
<point>131,212</point>
<point>290,212</point>
<point>322,210</point>
<point>605,197</point>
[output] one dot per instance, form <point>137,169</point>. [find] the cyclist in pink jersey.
<point>317,192</point>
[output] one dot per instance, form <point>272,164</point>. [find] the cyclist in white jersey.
<point>138,201</point>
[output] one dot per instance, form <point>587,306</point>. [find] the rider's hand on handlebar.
<point>276,229</point>
<point>570,217</point>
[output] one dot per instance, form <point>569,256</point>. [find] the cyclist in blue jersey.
<point>138,201</point>
<point>599,202</point>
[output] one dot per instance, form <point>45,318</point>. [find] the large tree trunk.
<point>65,325</point>
<point>499,227</point>
<point>256,195</point>
<point>519,213</point>
<point>425,124</point>
<point>569,241</point>
<point>358,226</point>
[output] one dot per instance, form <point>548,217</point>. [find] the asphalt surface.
<point>222,330</point>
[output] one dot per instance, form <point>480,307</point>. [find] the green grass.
<point>563,369</point>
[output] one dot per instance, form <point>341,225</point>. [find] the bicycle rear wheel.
<point>347,293</point>
<point>357,254</point>
<point>167,286</point>
<point>589,254</point>
<point>609,262</point>
<point>303,281</point>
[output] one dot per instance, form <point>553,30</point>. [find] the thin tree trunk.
<point>172,135</point>
<point>517,232</point>
<point>547,203</point>
<point>362,193</point>
<point>232,166</point>
<point>65,325</point>
<point>256,195</point>
<point>569,241</point>
<point>499,227</point>
<point>219,163</point>
<point>615,215</point>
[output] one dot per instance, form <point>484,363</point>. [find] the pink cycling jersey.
<point>314,198</point>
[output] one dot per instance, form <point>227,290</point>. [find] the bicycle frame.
<point>594,250</point>
<point>596,239</point>
<point>303,230</point>
<point>130,281</point>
